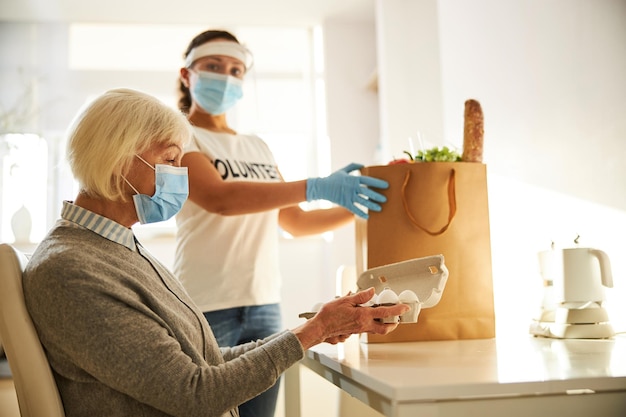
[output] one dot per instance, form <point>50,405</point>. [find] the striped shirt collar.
<point>101,225</point>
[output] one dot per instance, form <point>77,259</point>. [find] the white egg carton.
<point>426,277</point>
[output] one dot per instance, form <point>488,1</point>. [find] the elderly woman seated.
<point>122,336</point>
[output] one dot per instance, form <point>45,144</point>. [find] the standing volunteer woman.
<point>227,240</point>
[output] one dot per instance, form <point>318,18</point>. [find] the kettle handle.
<point>605,267</point>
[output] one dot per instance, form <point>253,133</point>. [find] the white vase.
<point>21,224</point>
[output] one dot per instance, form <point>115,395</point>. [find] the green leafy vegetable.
<point>435,154</point>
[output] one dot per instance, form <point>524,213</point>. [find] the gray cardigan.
<point>124,338</point>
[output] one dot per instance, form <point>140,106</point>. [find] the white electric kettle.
<point>578,275</point>
<point>574,283</point>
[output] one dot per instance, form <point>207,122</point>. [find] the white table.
<point>526,376</point>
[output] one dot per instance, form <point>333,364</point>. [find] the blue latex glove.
<point>344,189</point>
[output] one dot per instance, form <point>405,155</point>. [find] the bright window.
<point>283,93</point>
<point>283,102</point>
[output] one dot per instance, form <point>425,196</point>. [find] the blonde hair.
<point>106,135</point>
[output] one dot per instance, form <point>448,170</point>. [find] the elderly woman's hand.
<point>342,317</point>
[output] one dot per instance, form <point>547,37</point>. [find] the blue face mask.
<point>172,189</point>
<point>216,93</point>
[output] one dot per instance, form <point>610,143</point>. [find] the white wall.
<point>550,75</point>
<point>410,75</point>
<point>352,109</point>
<point>550,79</point>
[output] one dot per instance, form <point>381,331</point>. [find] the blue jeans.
<point>234,326</point>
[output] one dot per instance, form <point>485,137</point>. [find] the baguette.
<point>473,132</point>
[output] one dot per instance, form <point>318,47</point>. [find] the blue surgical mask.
<point>171,191</point>
<point>216,93</point>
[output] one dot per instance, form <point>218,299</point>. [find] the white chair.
<point>37,393</point>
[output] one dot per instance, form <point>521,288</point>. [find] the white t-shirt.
<point>230,261</point>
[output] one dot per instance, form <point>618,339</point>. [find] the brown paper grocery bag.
<point>435,208</point>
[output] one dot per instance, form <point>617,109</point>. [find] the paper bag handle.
<point>451,203</point>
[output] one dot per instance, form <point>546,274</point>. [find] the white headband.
<point>231,49</point>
